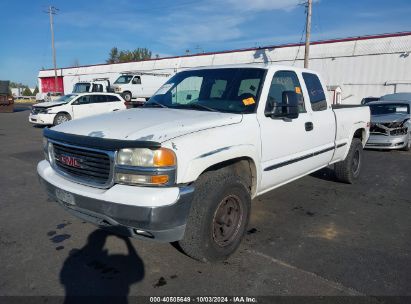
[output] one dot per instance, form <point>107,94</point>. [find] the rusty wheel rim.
<point>227,220</point>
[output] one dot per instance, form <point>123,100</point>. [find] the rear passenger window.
<point>99,98</point>
<point>112,98</point>
<point>284,81</point>
<point>315,92</point>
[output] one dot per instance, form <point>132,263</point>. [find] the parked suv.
<point>74,106</point>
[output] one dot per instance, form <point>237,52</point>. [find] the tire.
<point>60,118</point>
<point>221,203</point>
<point>348,170</point>
<point>127,96</point>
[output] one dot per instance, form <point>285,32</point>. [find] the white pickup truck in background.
<point>186,166</point>
<point>96,85</point>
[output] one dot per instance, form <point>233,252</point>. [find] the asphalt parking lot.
<point>314,236</point>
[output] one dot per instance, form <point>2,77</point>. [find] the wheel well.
<point>65,113</point>
<point>243,167</point>
<point>360,134</point>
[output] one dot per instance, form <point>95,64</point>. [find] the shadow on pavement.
<point>91,271</point>
<point>326,174</point>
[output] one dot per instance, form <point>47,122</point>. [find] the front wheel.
<point>348,170</point>
<point>218,218</point>
<point>127,96</point>
<point>60,118</point>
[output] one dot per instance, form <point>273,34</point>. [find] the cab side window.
<point>97,87</point>
<point>136,80</point>
<point>315,92</point>
<point>283,81</point>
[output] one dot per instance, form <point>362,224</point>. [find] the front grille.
<point>86,166</point>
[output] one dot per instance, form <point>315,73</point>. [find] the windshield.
<point>123,79</point>
<point>66,98</point>
<point>81,87</point>
<point>389,108</point>
<point>234,90</point>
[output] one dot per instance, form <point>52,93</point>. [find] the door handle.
<point>309,126</point>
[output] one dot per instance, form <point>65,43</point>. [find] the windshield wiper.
<point>200,106</point>
<point>155,103</point>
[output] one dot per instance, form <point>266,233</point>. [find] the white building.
<point>361,66</point>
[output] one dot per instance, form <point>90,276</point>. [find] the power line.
<point>302,36</point>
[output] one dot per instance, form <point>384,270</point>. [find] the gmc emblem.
<point>70,161</point>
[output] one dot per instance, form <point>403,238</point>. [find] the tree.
<point>27,92</point>
<point>113,56</point>
<point>17,85</point>
<point>116,56</point>
<point>36,90</point>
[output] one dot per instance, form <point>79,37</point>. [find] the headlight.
<point>143,157</point>
<point>145,166</point>
<point>44,111</point>
<point>48,150</point>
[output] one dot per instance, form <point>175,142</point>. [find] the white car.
<point>186,165</point>
<point>74,106</point>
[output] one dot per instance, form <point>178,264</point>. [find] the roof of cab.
<point>252,65</point>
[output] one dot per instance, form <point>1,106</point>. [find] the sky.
<point>85,31</point>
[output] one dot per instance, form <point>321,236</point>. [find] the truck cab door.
<point>289,146</point>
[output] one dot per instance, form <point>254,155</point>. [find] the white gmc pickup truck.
<point>186,166</point>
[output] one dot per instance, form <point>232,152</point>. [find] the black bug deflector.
<point>98,142</point>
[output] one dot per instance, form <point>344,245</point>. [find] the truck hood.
<point>389,118</point>
<point>151,124</point>
<point>49,104</point>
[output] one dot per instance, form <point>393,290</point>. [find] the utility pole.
<point>53,11</point>
<point>308,33</point>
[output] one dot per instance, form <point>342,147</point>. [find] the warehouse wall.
<point>365,66</point>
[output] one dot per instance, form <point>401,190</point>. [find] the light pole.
<point>53,11</point>
<point>308,33</point>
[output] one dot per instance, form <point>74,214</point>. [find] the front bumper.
<point>383,142</point>
<point>41,119</point>
<point>157,213</point>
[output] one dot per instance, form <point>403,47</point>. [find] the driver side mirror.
<point>288,108</point>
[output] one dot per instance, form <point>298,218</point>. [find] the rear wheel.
<point>60,118</point>
<point>218,218</point>
<point>349,170</point>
